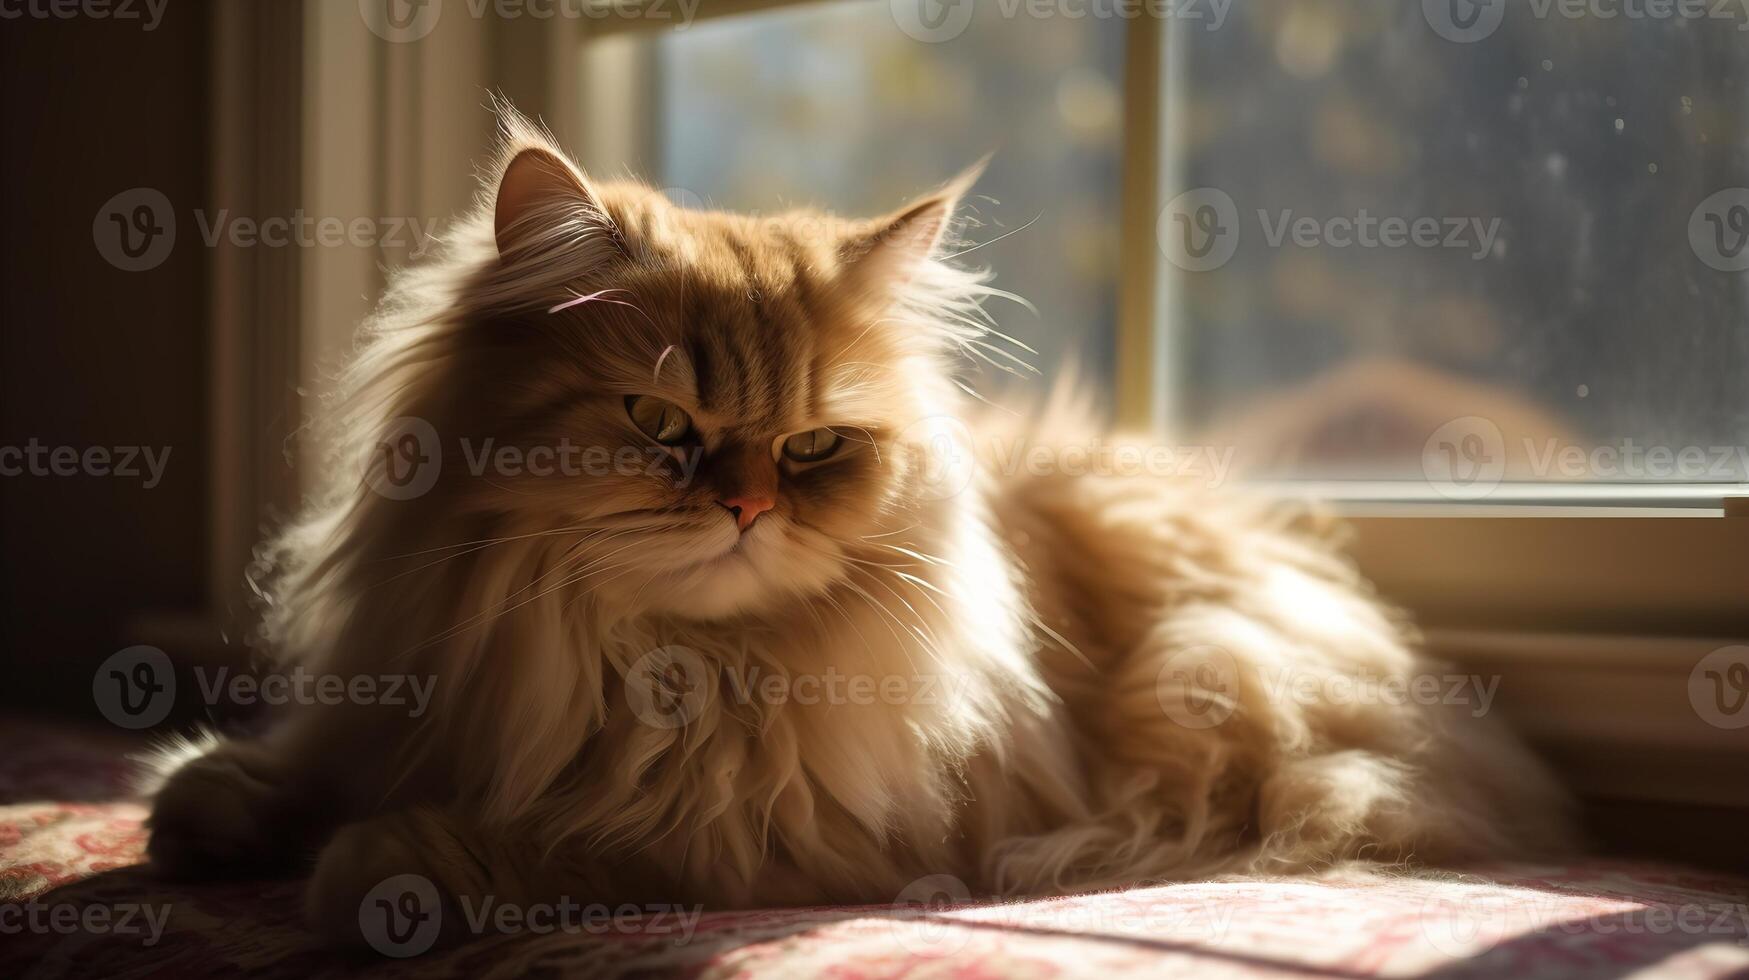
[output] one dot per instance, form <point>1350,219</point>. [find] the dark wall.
<point>94,356</point>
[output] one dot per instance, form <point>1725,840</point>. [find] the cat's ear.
<point>886,254</point>
<point>543,201</point>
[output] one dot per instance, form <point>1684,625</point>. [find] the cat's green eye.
<point>662,421</point>
<point>811,446</point>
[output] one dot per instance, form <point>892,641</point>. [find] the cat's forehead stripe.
<point>750,350</point>
<point>762,330</point>
<point>761,336</point>
<point>698,355</point>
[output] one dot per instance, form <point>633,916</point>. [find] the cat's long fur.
<point>1055,620</point>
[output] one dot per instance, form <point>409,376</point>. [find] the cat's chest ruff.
<point>723,681</point>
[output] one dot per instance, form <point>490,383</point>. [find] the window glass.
<point>1461,241</point>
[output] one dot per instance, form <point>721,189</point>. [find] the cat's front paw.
<point>386,884</point>
<point>223,815</point>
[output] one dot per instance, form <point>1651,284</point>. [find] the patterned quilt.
<point>75,902</point>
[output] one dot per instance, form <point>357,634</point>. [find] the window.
<point>1404,249</point>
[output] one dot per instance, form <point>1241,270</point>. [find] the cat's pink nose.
<point>746,509</point>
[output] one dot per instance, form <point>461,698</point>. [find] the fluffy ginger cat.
<point>771,655</point>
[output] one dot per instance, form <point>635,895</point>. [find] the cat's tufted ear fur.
<point>887,253</point>
<point>542,202</point>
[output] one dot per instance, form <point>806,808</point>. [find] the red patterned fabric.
<point>74,903</point>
